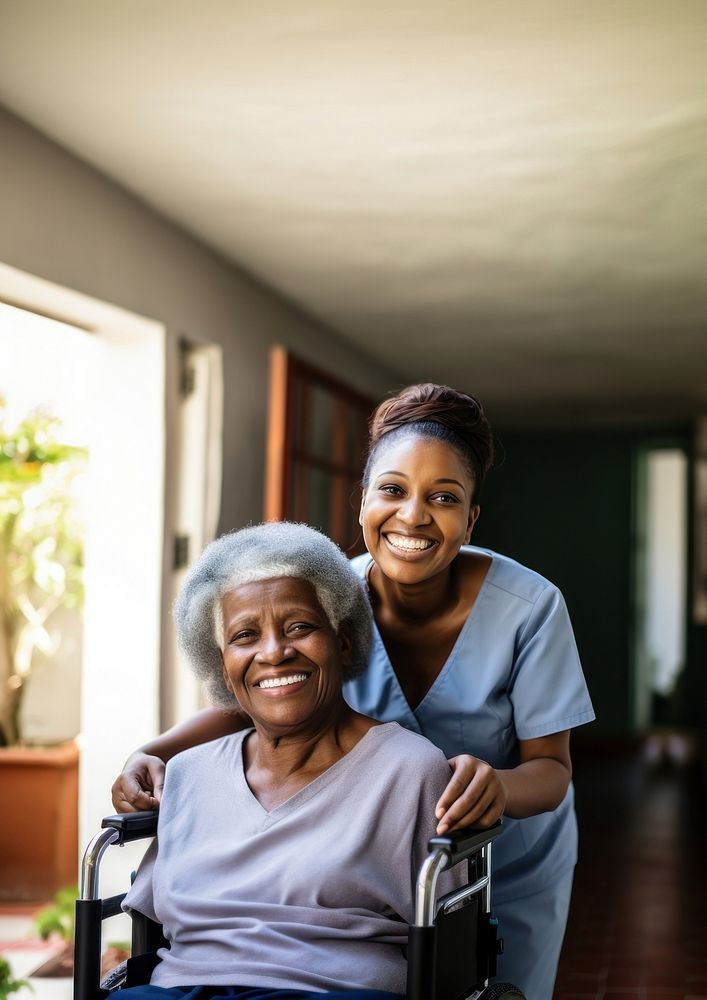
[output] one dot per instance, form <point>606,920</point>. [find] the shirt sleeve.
<point>435,779</point>
<point>547,687</point>
<point>140,895</point>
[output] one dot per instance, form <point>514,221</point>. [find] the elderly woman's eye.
<point>243,635</point>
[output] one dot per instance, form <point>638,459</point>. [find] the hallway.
<point>638,924</point>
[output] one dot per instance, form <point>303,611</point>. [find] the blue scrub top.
<point>514,673</point>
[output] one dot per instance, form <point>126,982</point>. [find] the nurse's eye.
<point>391,489</point>
<point>446,498</point>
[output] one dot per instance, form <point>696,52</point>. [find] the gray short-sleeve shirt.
<point>315,894</point>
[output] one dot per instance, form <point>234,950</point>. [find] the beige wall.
<point>63,221</point>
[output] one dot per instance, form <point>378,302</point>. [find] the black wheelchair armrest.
<point>461,844</point>
<point>132,826</point>
<point>91,910</point>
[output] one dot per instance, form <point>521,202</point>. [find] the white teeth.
<point>409,544</point>
<point>276,682</point>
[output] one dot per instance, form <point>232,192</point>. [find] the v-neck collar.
<point>413,714</point>
<point>304,794</point>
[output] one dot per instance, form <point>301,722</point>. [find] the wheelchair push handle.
<point>132,826</point>
<point>462,844</point>
<point>119,829</point>
<point>445,852</point>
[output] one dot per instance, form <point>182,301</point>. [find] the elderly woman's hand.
<point>139,785</point>
<point>475,795</point>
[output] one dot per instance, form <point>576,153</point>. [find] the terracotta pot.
<point>39,830</point>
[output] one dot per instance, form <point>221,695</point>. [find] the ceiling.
<point>508,196</point>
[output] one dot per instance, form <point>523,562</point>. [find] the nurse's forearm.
<point>209,724</point>
<point>140,783</point>
<point>536,786</point>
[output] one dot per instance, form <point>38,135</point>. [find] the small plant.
<point>8,984</point>
<point>41,549</point>
<point>59,917</point>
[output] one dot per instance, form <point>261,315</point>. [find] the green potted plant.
<point>58,920</point>
<point>41,573</point>
<point>8,983</point>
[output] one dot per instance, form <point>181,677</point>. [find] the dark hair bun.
<point>428,403</point>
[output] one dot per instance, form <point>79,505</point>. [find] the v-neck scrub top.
<point>513,674</point>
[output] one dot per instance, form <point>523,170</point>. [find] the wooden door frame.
<point>286,371</point>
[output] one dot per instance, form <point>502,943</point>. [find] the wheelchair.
<point>452,945</point>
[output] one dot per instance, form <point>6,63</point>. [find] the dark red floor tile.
<point>668,981</point>
<point>638,920</point>
<point>627,977</point>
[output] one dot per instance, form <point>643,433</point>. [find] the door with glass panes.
<point>317,432</point>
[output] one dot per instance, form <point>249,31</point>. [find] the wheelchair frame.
<point>452,945</point>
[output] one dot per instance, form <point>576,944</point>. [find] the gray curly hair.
<point>264,552</point>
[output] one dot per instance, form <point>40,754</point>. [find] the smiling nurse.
<point>471,650</point>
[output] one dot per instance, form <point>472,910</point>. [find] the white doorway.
<point>660,577</point>
<point>194,504</point>
<point>123,393</point>
<point>45,366</point>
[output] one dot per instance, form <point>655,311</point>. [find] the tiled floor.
<point>638,923</point>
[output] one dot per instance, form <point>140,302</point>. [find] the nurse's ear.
<point>474,512</point>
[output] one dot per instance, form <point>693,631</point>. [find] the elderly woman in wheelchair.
<point>286,857</point>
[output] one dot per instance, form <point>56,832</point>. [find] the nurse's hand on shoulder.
<point>475,795</point>
<point>139,786</point>
<point>478,795</point>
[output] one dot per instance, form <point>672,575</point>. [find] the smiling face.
<point>282,658</point>
<point>417,508</point>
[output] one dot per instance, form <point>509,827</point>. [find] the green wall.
<point>563,504</point>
